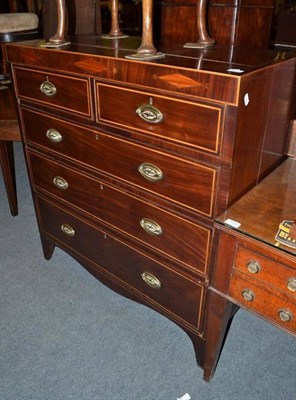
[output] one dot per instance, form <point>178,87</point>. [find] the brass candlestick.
<point>58,39</point>
<point>204,40</point>
<point>115,32</point>
<point>147,51</point>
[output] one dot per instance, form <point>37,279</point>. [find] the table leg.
<point>8,171</point>
<point>219,315</point>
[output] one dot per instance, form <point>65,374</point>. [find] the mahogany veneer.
<point>246,23</point>
<point>255,265</point>
<point>131,161</point>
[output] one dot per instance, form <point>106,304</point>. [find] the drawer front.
<point>271,304</point>
<point>266,269</point>
<point>160,284</point>
<point>58,91</point>
<point>175,237</point>
<point>186,183</point>
<point>192,124</point>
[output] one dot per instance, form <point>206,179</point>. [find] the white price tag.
<point>235,70</point>
<point>246,99</point>
<point>232,223</point>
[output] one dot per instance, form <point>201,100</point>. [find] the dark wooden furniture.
<point>130,162</point>
<point>246,23</point>
<point>286,31</point>
<point>255,264</point>
<point>9,132</point>
<point>84,16</point>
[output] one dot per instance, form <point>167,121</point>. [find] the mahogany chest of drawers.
<point>131,161</point>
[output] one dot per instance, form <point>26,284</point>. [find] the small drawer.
<point>265,269</point>
<point>187,123</point>
<point>273,304</point>
<point>175,237</point>
<point>150,279</point>
<point>186,183</point>
<point>59,91</point>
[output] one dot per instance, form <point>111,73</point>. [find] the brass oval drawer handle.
<point>285,315</point>
<point>60,183</point>
<point>68,230</point>
<point>254,267</point>
<point>151,226</point>
<point>149,113</point>
<point>248,294</point>
<point>151,280</point>
<point>48,89</point>
<point>150,172</point>
<point>53,135</point>
<point>291,284</point>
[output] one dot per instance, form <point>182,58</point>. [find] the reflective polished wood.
<point>246,23</point>
<point>130,161</point>
<point>255,263</point>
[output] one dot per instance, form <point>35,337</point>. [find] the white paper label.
<point>236,70</point>
<point>232,223</point>
<point>246,99</point>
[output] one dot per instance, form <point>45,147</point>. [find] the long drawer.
<point>175,237</point>
<point>192,124</point>
<point>158,283</point>
<point>184,182</point>
<point>58,91</point>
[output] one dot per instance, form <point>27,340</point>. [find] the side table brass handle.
<point>68,230</point>
<point>53,135</point>
<point>150,114</point>
<point>151,280</point>
<point>291,284</point>
<point>150,172</point>
<point>248,295</point>
<point>151,226</point>
<point>285,315</point>
<point>48,89</point>
<point>254,267</point>
<point>60,183</point>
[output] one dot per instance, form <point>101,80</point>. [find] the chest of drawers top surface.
<point>214,74</point>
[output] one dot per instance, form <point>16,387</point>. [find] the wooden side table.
<point>255,263</point>
<point>9,132</point>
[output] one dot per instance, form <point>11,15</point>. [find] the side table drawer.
<point>269,303</point>
<point>58,91</point>
<point>265,269</point>
<point>186,183</point>
<point>161,285</point>
<point>188,123</point>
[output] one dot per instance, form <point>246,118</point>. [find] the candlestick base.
<point>54,45</point>
<point>112,37</point>
<point>145,57</point>
<point>198,45</point>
